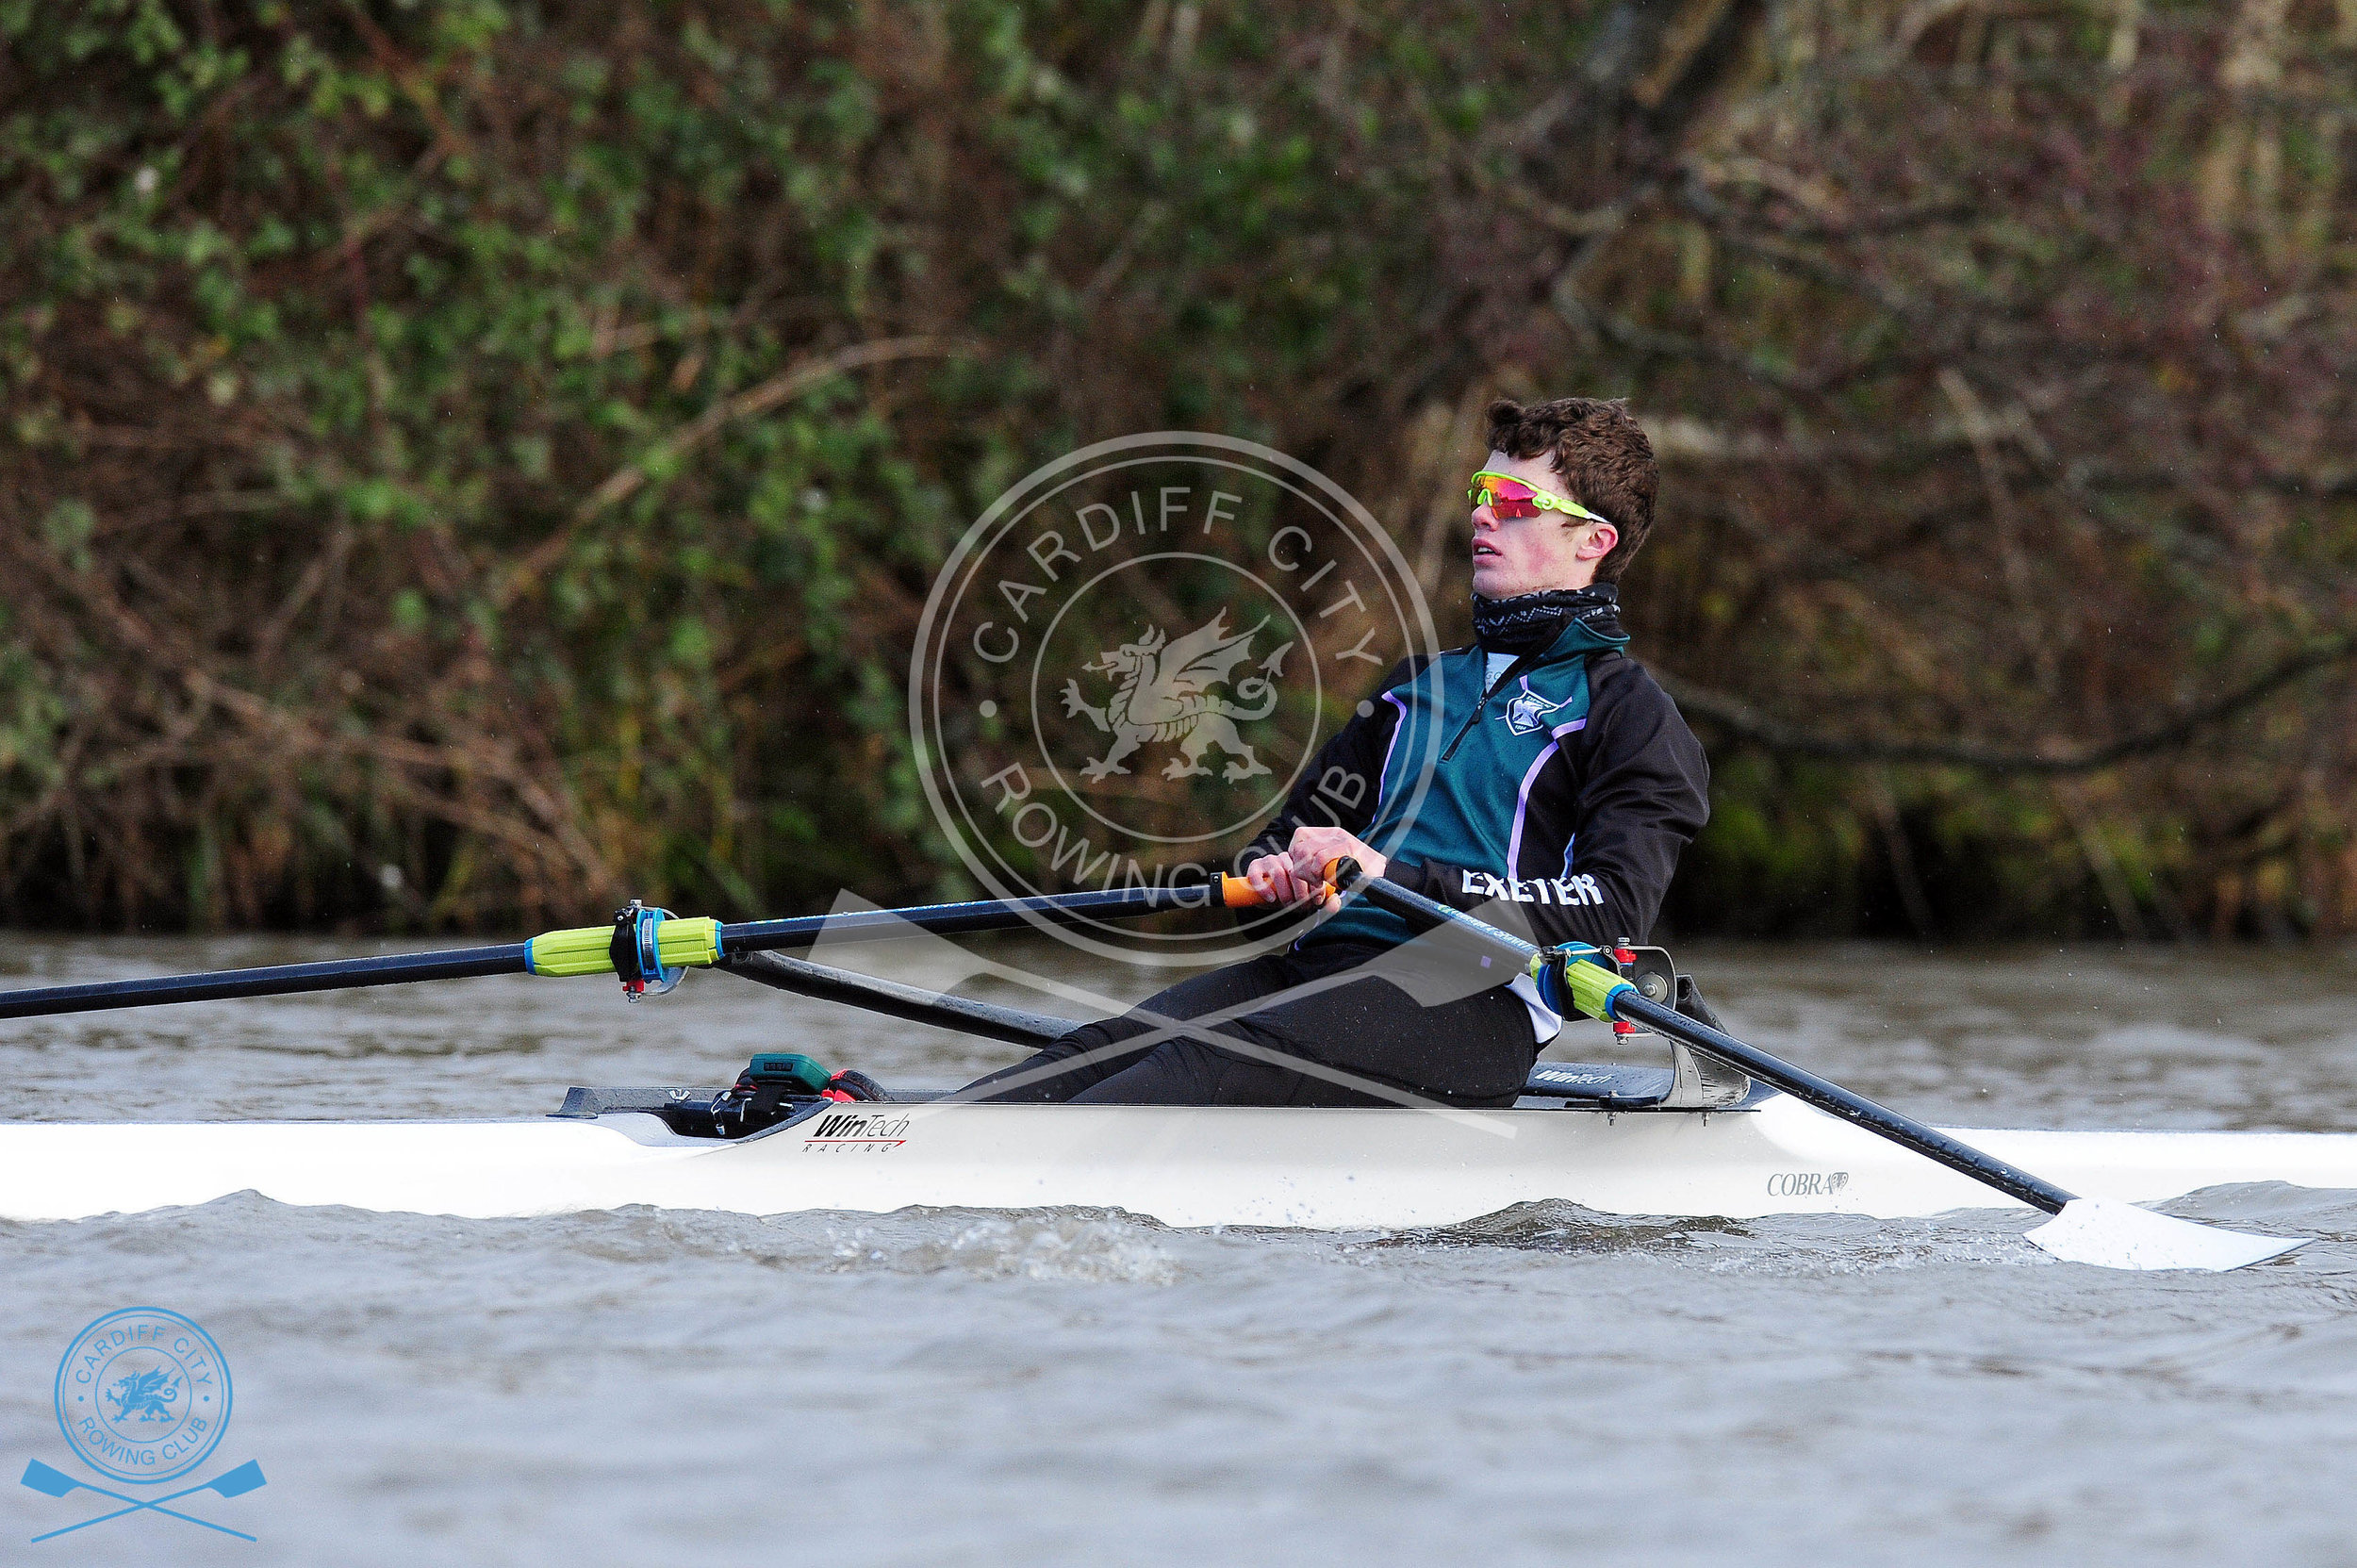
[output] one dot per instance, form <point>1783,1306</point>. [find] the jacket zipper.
<point>1528,661</point>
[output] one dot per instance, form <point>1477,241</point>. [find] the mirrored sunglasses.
<point>1508,497</point>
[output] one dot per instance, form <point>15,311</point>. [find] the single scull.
<point>1322,1168</point>
<point>1726,1130</point>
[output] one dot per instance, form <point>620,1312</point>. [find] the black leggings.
<point>1361,1042</point>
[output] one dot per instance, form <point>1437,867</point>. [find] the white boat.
<point>1327,1169</point>
<point>1705,1135</point>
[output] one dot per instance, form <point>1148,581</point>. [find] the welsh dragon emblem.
<point>1162,692</point>
<point>143,1395</point>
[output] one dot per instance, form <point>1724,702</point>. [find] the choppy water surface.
<point>1064,1387</point>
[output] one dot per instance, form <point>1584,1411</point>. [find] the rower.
<point>1559,785</point>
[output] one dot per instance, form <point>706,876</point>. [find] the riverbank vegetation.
<point>468,461</point>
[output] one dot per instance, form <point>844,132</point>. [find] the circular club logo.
<point>143,1395</point>
<point>1128,666</point>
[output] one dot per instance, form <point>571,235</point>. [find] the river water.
<point>1062,1387</point>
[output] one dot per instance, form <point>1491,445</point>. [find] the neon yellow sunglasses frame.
<point>1481,495</point>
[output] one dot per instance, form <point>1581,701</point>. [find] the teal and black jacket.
<point>1558,787</point>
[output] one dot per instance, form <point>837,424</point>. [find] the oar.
<point>229,1484</point>
<point>652,942</point>
<point>2084,1230</point>
<point>896,1000</point>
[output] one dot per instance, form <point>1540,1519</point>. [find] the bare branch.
<point>1745,723</point>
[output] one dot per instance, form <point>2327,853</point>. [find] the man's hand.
<point>1298,875</point>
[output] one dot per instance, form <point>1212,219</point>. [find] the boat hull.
<point>1334,1169</point>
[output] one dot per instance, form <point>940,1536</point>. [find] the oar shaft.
<point>585,950</point>
<point>340,974</point>
<point>1832,1099</point>
<point>981,915</point>
<point>1418,910</point>
<point>1625,1002</point>
<point>896,1000</point>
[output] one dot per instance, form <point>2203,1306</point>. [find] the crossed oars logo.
<point>229,1484</point>
<point>144,1397</point>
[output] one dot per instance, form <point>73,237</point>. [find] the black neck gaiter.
<point>1530,621</point>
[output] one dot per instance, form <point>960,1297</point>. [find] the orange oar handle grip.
<point>1236,892</point>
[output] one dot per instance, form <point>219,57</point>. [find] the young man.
<point>1564,785</point>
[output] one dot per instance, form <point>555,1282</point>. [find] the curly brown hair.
<point>1605,461</point>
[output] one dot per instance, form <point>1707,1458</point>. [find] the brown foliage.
<point>467,462</point>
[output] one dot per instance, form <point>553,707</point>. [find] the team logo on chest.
<point>1526,711</point>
